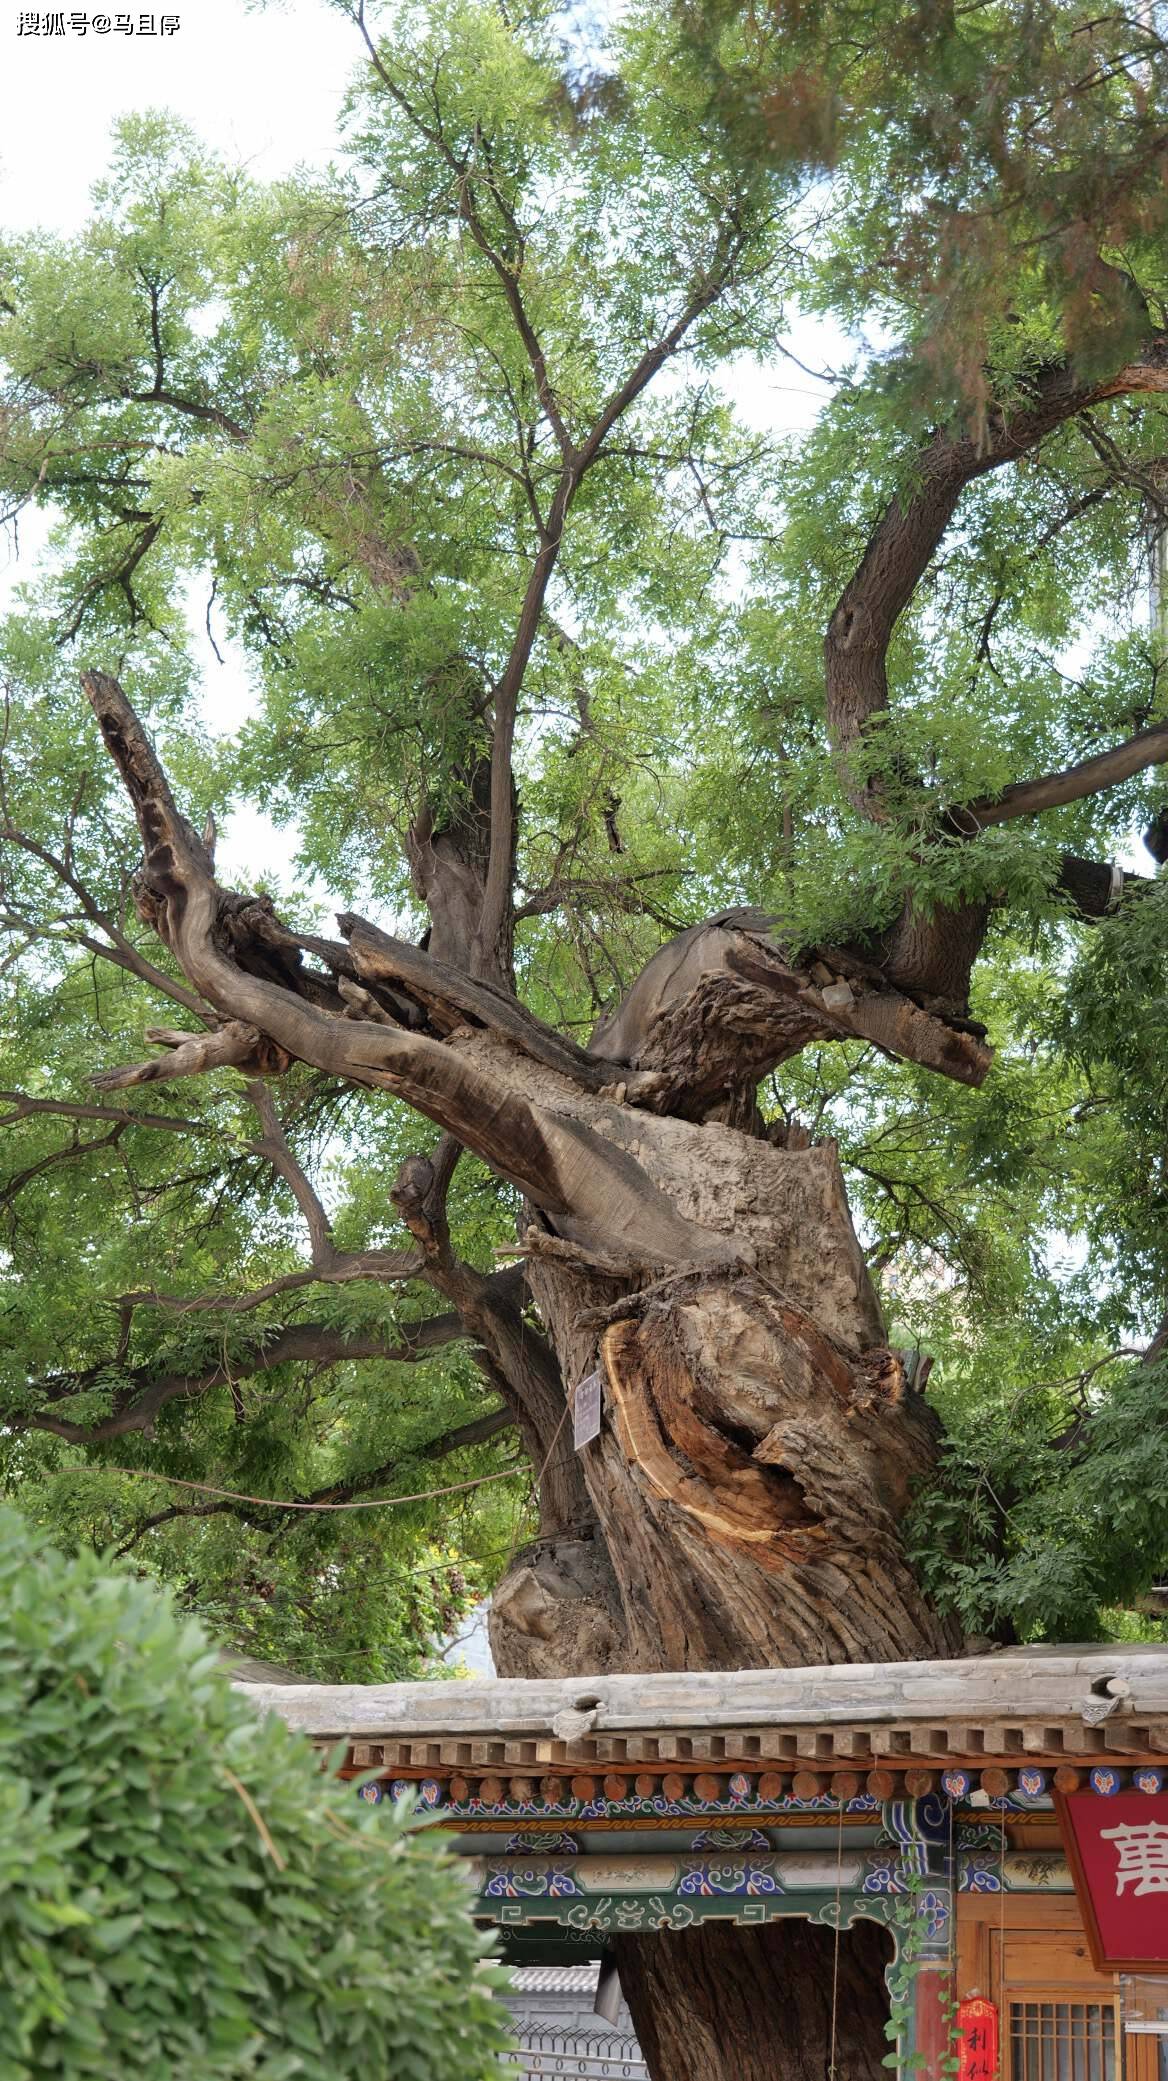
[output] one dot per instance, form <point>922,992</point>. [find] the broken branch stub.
<point>232,1046</point>
<point>723,1004</point>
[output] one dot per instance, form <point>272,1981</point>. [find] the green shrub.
<point>184,1895</point>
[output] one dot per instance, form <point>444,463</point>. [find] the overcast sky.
<point>262,86</point>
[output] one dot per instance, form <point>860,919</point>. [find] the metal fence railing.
<point>577,2055</point>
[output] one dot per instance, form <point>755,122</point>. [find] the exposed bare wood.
<point>722,1004</point>
<point>593,1191</point>
<point>234,1045</point>
<point>453,999</point>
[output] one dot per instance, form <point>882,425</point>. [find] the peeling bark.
<point>722,1004</point>
<point>750,1476</point>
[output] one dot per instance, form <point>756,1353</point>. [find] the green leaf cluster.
<point>182,1890</point>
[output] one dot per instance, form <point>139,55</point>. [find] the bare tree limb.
<point>26,1108</point>
<point>273,1143</point>
<point>606,1201</point>
<point>145,1394</point>
<point>234,1045</point>
<point>1106,769</point>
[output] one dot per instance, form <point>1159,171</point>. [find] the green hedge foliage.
<point>184,1895</point>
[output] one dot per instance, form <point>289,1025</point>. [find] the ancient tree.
<point>451,437</point>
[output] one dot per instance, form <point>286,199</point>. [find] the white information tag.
<point>586,1410</point>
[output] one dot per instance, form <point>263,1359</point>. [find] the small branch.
<point>1089,777</point>
<point>213,415</point>
<point>74,1151</point>
<point>273,1144</point>
<point>464,1435</point>
<point>121,951</point>
<point>24,1108</point>
<point>120,575</point>
<point>507,275</point>
<point>476,1432</point>
<point>577,463</point>
<point>387,1267</point>
<point>234,1045</point>
<point>139,1405</point>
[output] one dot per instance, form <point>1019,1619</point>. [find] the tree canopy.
<point>557,648</point>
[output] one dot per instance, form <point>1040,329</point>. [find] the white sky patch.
<point>264,88</point>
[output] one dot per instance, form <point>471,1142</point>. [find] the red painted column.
<point>930,2023</point>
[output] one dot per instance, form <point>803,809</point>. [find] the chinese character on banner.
<point>1142,1856</point>
<point>29,25</point>
<point>124,24</point>
<point>1118,1852</point>
<point>52,25</point>
<point>977,2040</point>
<point>79,23</point>
<point>146,25</point>
<point>169,24</point>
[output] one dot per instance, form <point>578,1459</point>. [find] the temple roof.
<point>1072,1701</point>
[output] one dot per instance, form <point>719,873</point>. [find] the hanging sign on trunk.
<point>586,1410</point>
<point>977,2040</point>
<point>1117,1848</point>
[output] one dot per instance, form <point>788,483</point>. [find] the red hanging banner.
<point>977,2040</point>
<point>1117,1848</point>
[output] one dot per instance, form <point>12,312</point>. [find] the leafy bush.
<point>183,1893</point>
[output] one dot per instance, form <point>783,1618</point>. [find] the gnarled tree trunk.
<point>776,2002</point>
<point>758,1447</point>
<point>742,1504</point>
<point>759,1442</point>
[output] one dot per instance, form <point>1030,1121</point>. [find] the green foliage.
<point>909,1915</point>
<point>1051,1530</point>
<point>181,1889</point>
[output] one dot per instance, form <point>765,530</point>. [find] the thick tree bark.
<point>727,2003</point>
<point>449,861</point>
<point>759,1443</point>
